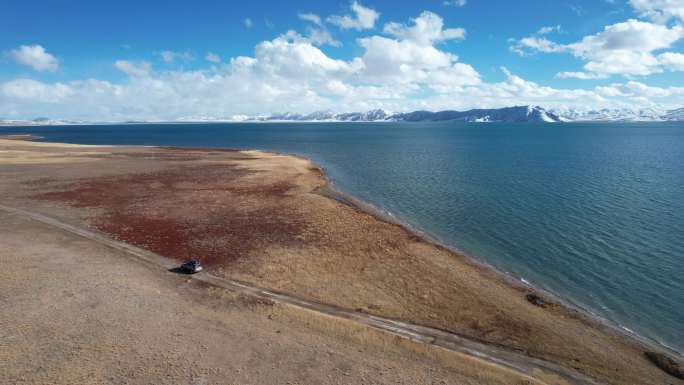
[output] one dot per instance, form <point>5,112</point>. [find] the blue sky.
<point>167,60</point>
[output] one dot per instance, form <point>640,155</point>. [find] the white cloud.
<point>36,57</point>
<point>248,22</point>
<point>625,48</point>
<point>532,44</point>
<point>580,75</point>
<point>311,17</point>
<point>639,91</point>
<point>35,91</point>
<point>536,42</point>
<point>412,58</point>
<point>549,29</point>
<point>390,61</point>
<point>212,57</point>
<point>401,70</point>
<point>515,90</point>
<point>631,35</point>
<point>457,3</point>
<point>363,18</point>
<point>170,56</point>
<point>672,61</point>
<point>660,11</point>
<point>292,55</point>
<point>321,36</point>
<point>142,69</point>
<point>250,86</point>
<point>427,29</point>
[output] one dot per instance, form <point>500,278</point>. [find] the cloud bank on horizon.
<point>397,65</point>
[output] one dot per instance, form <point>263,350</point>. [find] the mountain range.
<point>507,114</point>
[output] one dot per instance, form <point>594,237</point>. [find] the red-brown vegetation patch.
<point>202,213</point>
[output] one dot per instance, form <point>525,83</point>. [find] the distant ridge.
<point>506,115</point>
<point>675,115</point>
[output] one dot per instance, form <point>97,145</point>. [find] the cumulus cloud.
<point>248,22</point>
<point>35,56</point>
<point>632,35</point>
<point>625,48</point>
<point>321,36</point>
<point>294,56</point>
<point>318,34</point>
<point>390,61</point>
<point>672,60</point>
<point>410,56</point>
<point>35,91</point>
<point>630,48</point>
<point>250,86</point>
<point>363,18</point>
<point>532,44</point>
<point>401,69</point>
<point>427,29</point>
<point>516,90</point>
<point>537,42</point>
<point>659,11</point>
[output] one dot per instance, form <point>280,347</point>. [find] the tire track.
<point>534,369</point>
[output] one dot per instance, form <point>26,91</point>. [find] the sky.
<point>173,59</point>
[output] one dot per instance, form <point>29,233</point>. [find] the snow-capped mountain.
<point>508,114</point>
<point>674,115</point>
<point>613,115</point>
<point>39,122</point>
<point>369,116</point>
<point>329,116</point>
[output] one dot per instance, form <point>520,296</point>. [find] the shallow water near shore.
<point>591,212</point>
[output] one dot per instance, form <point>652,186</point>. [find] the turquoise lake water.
<point>591,212</point>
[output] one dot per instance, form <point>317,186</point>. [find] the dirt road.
<point>524,367</point>
<point>75,311</point>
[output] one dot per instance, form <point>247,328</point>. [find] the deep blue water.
<point>592,212</point>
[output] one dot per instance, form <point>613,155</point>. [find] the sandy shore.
<point>261,218</point>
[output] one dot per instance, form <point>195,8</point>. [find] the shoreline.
<point>519,283</point>
<point>331,192</point>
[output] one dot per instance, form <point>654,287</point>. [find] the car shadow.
<point>179,270</point>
